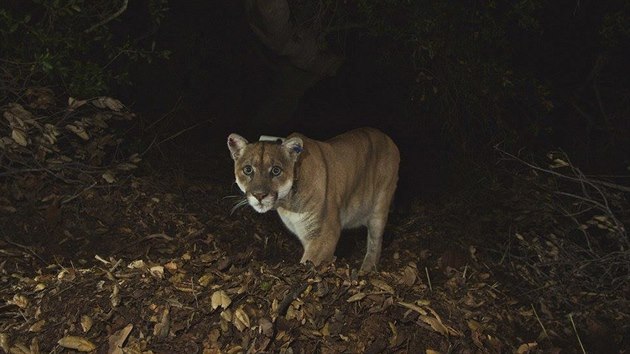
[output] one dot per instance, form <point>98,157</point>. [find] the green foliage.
<point>81,47</point>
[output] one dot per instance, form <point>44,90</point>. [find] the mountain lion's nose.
<point>260,195</point>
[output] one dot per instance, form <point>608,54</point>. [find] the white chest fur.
<point>297,223</point>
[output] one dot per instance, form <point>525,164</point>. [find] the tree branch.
<point>122,9</point>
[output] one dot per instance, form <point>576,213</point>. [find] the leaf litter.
<point>134,265</point>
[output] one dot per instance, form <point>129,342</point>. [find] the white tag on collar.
<point>271,138</point>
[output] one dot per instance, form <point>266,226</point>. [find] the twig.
<point>66,201</point>
<point>540,322</point>
<point>122,9</point>
<point>175,106</point>
<point>6,238</point>
<point>537,168</point>
<point>182,132</point>
<point>426,270</point>
<point>576,333</point>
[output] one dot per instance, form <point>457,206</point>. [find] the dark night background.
<point>512,119</point>
<point>553,79</point>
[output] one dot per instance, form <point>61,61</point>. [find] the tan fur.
<point>324,187</point>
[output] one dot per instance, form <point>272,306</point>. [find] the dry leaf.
<point>557,163</point>
<point>108,176</point>
<point>19,137</point>
<point>526,347</point>
<point>78,130</point>
<point>413,307</point>
<point>241,319</point>
<point>108,102</point>
<point>117,340</point>
<point>435,324</point>
<point>409,277</point>
<point>431,351</point>
<point>265,327</point>
<point>37,326</point>
<point>74,103</point>
<point>115,296</point>
<point>20,301</point>
<point>78,343</point>
<point>394,337</point>
<point>125,166</point>
<point>19,348</point>
<point>4,342</point>
<point>227,315</point>
<point>205,279</point>
<point>356,297</point>
<point>220,299</point>
<point>172,266</point>
<point>162,328</point>
<point>137,264</point>
<point>34,347</point>
<point>86,323</point>
<point>157,271</point>
<point>380,284</point>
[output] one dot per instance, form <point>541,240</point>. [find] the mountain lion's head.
<point>264,170</point>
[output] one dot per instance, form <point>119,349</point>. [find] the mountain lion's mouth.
<point>263,205</point>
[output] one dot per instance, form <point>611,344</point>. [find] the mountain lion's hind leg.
<point>376,227</point>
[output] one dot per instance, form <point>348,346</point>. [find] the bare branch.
<point>110,18</point>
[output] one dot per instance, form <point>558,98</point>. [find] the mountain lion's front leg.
<point>321,246</point>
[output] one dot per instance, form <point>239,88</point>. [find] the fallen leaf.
<point>137,264</point>
<point>157,271</point>
<point>205,279</point>
<point>162,328</point>
<point>78,343</point>
<point>356,297</point>
<point>4,342</point>
<point>172,266</point>
<point>74,103</point>
<point>435,324</point>
<point>220,299</point>
<point>86,323</point>
<point>19,348</point>
<point>19,137</point>
<point>108,102</point>
<point>266,327</point>
<point>37,326</point>
<point>78,130</point>
<point>409,276</point>
<point>115,296</point>
<point>382,285</point>
<point>20,301</point>
<point>241,319</point>
<point>117,340</point>
<point>108,176</point>
<point>413,307</point>
<point>526,347</point>
<point>34,347</point>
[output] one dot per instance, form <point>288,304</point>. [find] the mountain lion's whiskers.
<point>238,204</point>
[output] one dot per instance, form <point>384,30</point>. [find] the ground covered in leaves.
<point>102,259</point>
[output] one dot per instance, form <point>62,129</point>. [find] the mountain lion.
<point>321,187</point>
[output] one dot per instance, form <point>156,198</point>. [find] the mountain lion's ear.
<point>294,145</point>
<point>236,143</point>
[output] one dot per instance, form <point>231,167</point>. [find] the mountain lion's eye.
<point>276,171</point>
<point>248,170</point>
